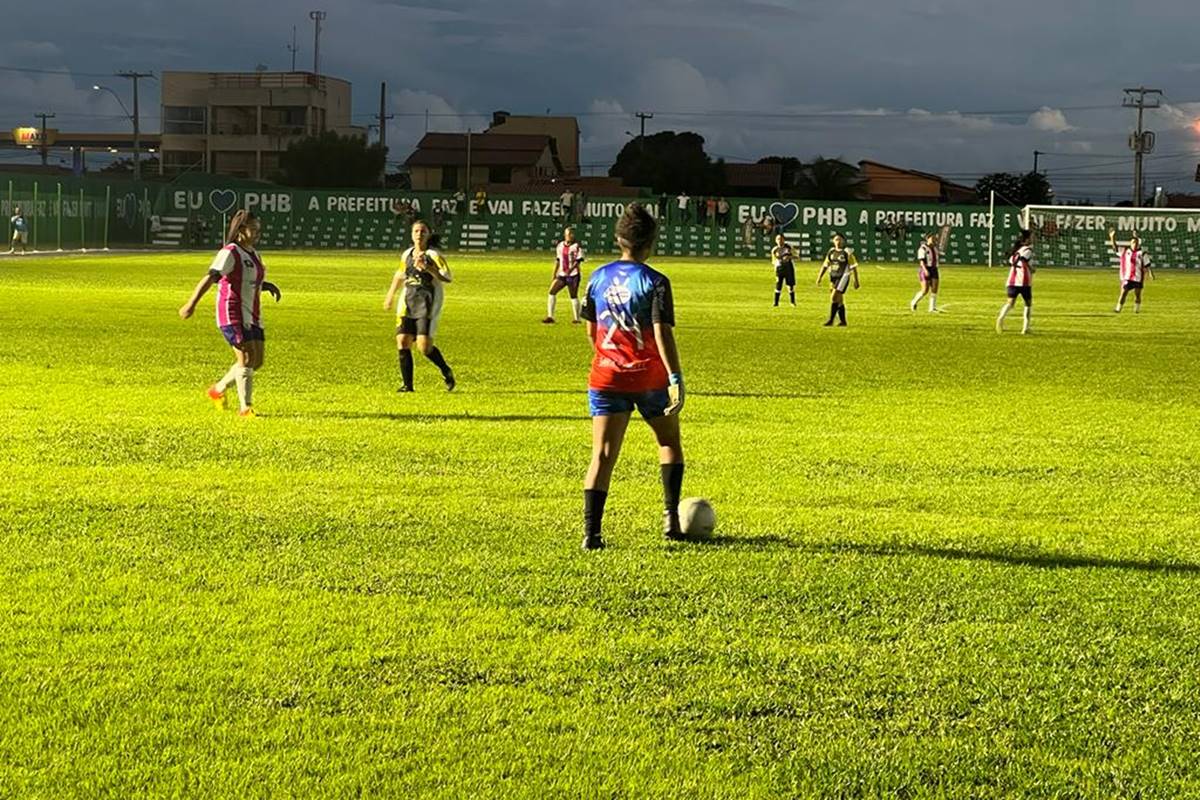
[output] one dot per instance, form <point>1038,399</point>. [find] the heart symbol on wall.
<point>784,213</point>
<point>223,200</point>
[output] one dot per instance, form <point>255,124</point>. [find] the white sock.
<point>229,378</point>
<point>245,386</point>
<point>551,301</point>
<point>916,299</point>
<point>1025,327</point>
<point>933,302</point>
<point>575,308</point>
<point>1137,307</point>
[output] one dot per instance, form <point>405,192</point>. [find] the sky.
<point>959,87</point>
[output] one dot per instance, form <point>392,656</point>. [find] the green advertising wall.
<point>69,213</point>
<point>307,219</point>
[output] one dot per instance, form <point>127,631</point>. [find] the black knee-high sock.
<point>672,481</point>
<point>406,367</point>
<point>842,312</point>
<point>776,297</point>
<point>792,295</point>
<point>593,510</point>
<point>833,311</point>
<point>438,360</point>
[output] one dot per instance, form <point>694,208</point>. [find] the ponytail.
<point>240,219</point>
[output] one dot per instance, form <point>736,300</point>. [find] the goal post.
<point>1077,236</point>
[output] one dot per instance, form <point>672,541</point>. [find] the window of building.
<point>187,120</point>
<point>499,174</point>
<point>234,120</point>
<point>238,164</point>
<point>284,120</point>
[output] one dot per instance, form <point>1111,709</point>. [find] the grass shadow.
<point>1018,559</point>
<point>766,541</point>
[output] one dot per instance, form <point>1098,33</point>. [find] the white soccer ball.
<point>696,517</point>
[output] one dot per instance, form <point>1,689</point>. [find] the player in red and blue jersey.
<point>1134,265</point>
<point>630,317</point>
<point>240,278</point>
<point>1020,280</point>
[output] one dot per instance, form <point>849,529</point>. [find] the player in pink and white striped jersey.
<point>1134,266</point>
<point>568,256</point>
<point>1020,280</point>
<point>239,275</point>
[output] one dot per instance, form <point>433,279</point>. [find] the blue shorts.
<point>237,334</point>
<point>651,405</point>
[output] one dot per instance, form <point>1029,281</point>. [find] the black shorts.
<point>237,335</point>
<point>931,274</point>
<point>786,273</point>
<point>414,326</point>
<point>568,282</point>
<point>1023,292</point>
<point>1132,285</point>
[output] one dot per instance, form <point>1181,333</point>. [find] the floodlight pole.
<point>991,226</point>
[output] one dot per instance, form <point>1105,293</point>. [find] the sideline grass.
<point>950,563</point>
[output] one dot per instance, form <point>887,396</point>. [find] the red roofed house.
<point>888,184</point>
<point>441,160</point>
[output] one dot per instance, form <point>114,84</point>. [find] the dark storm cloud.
<point>461,59</point>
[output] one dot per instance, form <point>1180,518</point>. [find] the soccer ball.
<point>697,518</point>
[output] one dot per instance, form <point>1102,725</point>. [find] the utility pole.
<point>642,117</point>
<point>42,137</point>
<point>383,120</point>
<point>1036,153</point>
<point>137,132</point>
<point>1141,142</point>
<point>293,48</point>
<point>317,17</point>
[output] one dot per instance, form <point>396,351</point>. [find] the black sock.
<point>672,481</point>
<point>833,311</point>
<point>776,297</point>
<point>593,511</point>
<point>406,367</point>
<point>435,356</point>
<point>842,312</point>
<point>792,295</point>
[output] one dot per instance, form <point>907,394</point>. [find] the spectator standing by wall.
<point>481,201</point>
<point>681,203</point>
<point>567,199</point>
<point>663,207</point>
<point>711,207</point>
<point>723,213</point>
<point>702,210</point>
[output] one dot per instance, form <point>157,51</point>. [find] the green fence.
<point>73,213</point>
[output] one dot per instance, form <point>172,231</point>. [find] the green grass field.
<point>949,563</point>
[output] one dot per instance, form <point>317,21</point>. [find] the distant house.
<point>753,180</point>
<point>888,184</point>
<point>441,161</point>
<point>563,130</point>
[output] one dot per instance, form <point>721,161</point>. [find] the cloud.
<point>1049,119</point>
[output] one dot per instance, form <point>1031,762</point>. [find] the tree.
<point>790,168</point>
<point>1032,188</point>
<point>669,162</point>
<point>330,160</point>
<point>829,179</point>
<point>124,166</point>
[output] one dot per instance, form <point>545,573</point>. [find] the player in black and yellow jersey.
<point>422,272</point>
<point>785,269</point>
<point>842,267</point>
